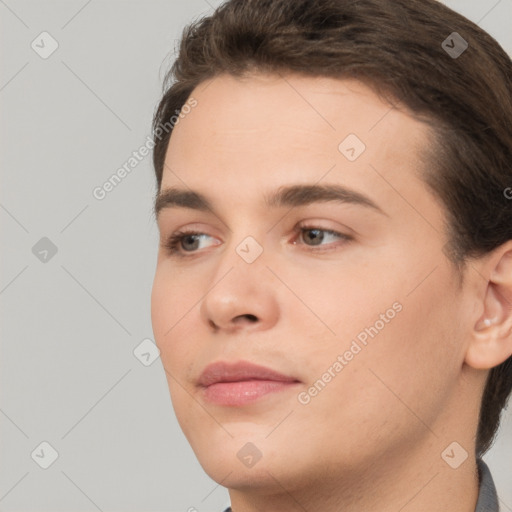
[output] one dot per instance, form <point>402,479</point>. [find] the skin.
<point>372,439</point>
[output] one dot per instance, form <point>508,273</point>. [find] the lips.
<point>241,383</point>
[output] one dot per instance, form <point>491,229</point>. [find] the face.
<point>342,290</point>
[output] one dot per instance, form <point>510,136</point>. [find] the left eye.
<point>318,235</point>
<point>177,243</point>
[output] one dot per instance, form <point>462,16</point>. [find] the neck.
<point>416,483</point>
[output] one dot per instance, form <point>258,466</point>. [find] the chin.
<point>242,479</point>
<point>247,457</point>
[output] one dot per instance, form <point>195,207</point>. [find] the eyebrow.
<point>286,196</point>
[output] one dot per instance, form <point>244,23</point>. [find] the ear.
<point>491,336</point>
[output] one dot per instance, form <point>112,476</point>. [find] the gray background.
<point>70,325</point>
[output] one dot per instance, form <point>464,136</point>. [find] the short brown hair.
<point>396,47</point>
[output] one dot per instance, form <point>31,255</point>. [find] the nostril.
<point>250,317</point>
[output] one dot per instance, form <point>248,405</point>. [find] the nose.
<point>241,297</point>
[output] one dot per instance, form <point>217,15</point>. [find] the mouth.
<point>241,383</point>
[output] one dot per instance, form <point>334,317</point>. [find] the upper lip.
<point>240,371</point>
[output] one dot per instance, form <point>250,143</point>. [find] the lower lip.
<point>243,392</point>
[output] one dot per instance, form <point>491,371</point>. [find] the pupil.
<point>189,238</point>
<point>318,238</point>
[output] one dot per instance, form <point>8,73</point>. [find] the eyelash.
<point>173,241</point>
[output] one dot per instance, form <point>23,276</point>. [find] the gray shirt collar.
<point>487,497</point>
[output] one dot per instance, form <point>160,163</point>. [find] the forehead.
<point>250,133</point>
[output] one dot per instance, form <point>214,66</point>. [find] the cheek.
<point>398,343</point>
<point>415,360</point>
<point>162,306</point>
<point>339,302</point>
<point>172,297</point>
<point>171,303</point>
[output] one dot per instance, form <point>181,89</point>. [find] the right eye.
<point>182,242</point>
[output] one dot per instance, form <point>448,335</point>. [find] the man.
<point>333,292</point>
